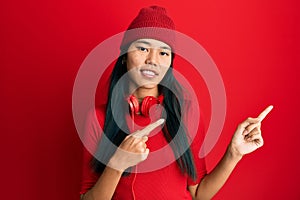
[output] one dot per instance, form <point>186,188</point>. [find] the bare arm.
<point>105,186</point>
<point>247,138</point>
<point>213,182</point>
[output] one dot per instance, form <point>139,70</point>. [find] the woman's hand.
<point>133,149</point>
<point>247,137</point>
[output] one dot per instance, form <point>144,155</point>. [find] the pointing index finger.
<point>146,131</point>
<point>264,113</point>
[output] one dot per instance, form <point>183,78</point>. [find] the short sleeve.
<point>89,177</point>
<point>90,139</point>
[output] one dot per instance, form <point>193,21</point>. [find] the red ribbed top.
<point>162,184</point>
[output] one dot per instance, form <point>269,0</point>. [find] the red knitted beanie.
<point>151,22</point>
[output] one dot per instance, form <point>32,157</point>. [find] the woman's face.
<point>147,61</point>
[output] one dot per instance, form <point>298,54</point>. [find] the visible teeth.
<point>147,72</point>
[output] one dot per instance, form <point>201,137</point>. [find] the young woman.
<point>122,166</point>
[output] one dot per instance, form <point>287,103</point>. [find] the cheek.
<point>164,71</point>
<point>165,65</point>
<point>166,62</point>
<point>133,61</point>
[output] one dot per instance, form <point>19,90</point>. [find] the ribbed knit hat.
<point>151,22</point>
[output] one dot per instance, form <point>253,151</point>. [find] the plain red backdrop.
<point>254,43</point>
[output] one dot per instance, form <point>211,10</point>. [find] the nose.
<point>152,58</point>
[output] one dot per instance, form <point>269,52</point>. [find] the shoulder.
<point>93,127</point>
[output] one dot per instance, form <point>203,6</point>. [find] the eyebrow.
<point>148,43</point>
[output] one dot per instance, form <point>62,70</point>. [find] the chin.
<point>149,86</point>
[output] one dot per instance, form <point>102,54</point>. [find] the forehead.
<point>152,43</point>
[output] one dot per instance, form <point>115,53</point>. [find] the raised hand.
<point>247,137</point>
<point>133,149</point>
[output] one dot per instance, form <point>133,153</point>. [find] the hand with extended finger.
<point>247,137</point>
<point>133,149</point>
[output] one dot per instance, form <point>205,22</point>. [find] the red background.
<point>254,43</point>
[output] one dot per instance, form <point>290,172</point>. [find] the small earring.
<point>123,61</point>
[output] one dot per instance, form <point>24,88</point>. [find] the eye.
<point>142,49</point>
<point>164,53</point>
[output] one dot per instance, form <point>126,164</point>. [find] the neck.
<point>141,93</point>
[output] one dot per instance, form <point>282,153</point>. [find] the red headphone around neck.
<point>147,103</point>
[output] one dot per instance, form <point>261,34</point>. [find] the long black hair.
<point>116,132</point>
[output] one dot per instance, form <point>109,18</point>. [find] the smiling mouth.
<point>148,73</point>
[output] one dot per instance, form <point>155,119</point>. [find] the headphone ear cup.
<point>160,99</point>
<point>133,105</point>
<point>148,102</point>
